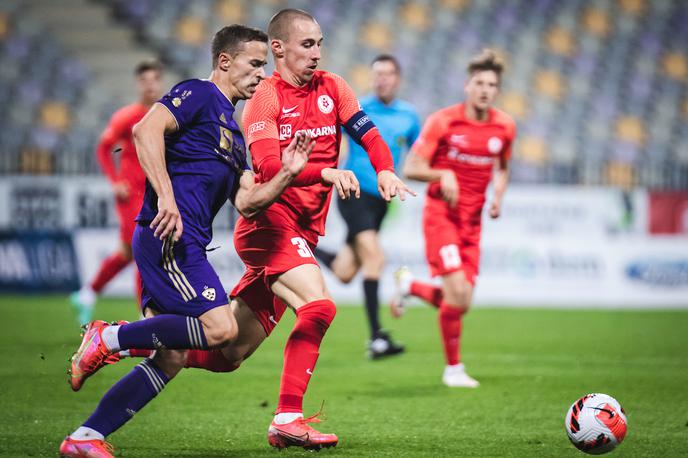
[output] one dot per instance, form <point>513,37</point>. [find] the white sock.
<point>124,354</point>
<point>87,296</point>
<point>287,417</point>
<point>84,433</point>
<point>110,338</point>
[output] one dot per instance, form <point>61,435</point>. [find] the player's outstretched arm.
<point>252,198</point>
<point>149,138</point>
<point>418,168</point>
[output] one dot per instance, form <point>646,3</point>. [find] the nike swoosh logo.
<point>309,372</point>
<point>289,110</point>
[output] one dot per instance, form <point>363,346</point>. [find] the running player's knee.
<point>127,254</point>
<point>220,336</point>
<point>328,311</point>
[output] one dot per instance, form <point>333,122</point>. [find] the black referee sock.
<point>372,305</point>
<point>325,257</point>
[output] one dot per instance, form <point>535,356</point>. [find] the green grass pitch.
<point>532,364</point>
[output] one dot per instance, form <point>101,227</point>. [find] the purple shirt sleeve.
<point>186,101</point>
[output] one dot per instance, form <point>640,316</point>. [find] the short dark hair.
<point>231,39</point>
<point>278,27</point>
<point>146,66</point>
<point>388,58</point>
<point>485,61</point>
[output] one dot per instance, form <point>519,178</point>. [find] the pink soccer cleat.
<point>91,355</point>
<point>299,433</point>
<point>94,448</point>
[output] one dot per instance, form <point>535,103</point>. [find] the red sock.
<point>428,292</point>
<point>108,269</point>
<point>301,352</point>
<point>139,353</point>
<point>450,327</point>
<point>212,360</point>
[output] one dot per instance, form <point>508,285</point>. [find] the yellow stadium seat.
<point>549,83</point>
<point>532,149</point>
<point>560,41</point>
<point>191,31</point>
<point>634,7</point>
<point>675,66</point>
<point>231,11</point>
<point>620,174</point>
<point>55,116</point>
<point>596,22</point>
<point>359,78</point>
<point>36,161</point>
<point>4,25</point>
<point>376,36</point>
<point>454,5</point>
<point>415,15</point>
<point>513,103</point>
<point>631,129</point>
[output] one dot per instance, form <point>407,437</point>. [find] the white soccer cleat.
<point>456,377</point>
<point>402,288</point>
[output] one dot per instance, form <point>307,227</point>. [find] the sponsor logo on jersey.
<point>325,104</point>
<point>290,113</point>
<point>209,293</point>
<point>494,145</point>
<point>256,127</point>
<point>455,155</point>
<point>285,131</point>
<point>288,110</point>
<point>458,139</point>
<point>319,131</point>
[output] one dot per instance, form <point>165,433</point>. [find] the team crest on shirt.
<point>494,145</point>
<point>176,102</point>
<point>325,104</point>
<point>209,293</point>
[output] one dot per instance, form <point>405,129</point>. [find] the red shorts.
<point>268,248</point>
<point>127,211</point>
<point>452,240</point>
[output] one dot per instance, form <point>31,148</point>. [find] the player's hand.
<point>344,180</point>
<point>168,220</point>
<point>121,190</point>
<point>295,156</point>
<point>495,209</point>
<point>450,188</point>
<point>390,185</point>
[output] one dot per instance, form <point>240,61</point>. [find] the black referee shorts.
<point>362,214</point>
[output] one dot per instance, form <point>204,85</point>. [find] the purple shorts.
<point>177,277</point>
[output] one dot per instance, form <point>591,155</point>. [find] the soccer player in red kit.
<point>276,245</point>
<point>128,183</point>
<point>456,153</point>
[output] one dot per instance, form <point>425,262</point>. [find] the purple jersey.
<point>205,156</point>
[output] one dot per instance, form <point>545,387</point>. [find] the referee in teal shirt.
<point>399,126</point>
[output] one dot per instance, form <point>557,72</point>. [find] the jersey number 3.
<point>450,256</point>
<point>302,247</point>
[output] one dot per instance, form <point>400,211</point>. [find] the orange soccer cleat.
<point>299,433</point>
<point>94,448</point>
<point>91,355</point>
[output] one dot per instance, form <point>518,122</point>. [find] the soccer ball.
<point>596,423</point>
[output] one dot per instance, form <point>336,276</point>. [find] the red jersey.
<point>449,140</point>
<point>118,132</point>
<point>277,111</point>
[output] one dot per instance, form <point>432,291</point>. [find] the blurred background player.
<point>456,153</point>
<point>399,126</point>
<point>276,246</point>
<point>128,183</point>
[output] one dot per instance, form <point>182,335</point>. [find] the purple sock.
<point>175,332</point>
<point>127,397</point>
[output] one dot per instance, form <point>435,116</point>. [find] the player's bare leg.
<point>369,251</point>
<point>346,264</point>
<point>303,289</point>
<point>457,294</point>
<point>85,299</point>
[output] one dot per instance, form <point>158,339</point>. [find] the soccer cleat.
<point>91,355</point>
<point>402,288</point>
<point>300,434</point>
<point>382,346</point>
<point>83,302</point>
<point>456,377</point>
<point>94,448</point>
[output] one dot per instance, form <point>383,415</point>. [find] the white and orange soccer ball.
<point>596,423</point>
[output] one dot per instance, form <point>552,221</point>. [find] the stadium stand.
<point>599,89</point>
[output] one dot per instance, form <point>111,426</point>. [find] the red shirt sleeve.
<point>372,142</point>
<point>510,126</point>
<point>429,138</point>
<point>111,136</point>
<point>260,115</point>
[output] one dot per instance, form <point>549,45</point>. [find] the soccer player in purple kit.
<point>194,157</point>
